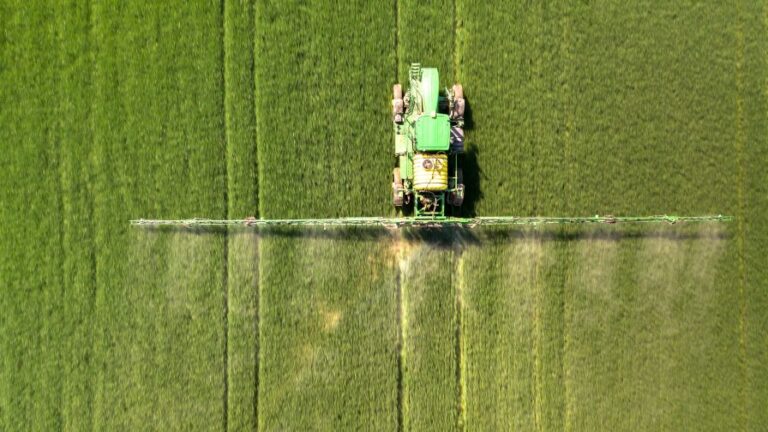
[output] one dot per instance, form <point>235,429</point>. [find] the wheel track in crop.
<point>241,199</point>
<point>739,143</point>
<point>400,266</point>
<point>459,285</point>
<point>225,243</point>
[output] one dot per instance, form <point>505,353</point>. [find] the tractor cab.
<point>433,132</point>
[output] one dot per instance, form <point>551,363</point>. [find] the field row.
<point>111,112</point>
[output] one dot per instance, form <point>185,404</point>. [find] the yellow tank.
<point>430,171</point>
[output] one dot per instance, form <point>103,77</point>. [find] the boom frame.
<point>428,222</point>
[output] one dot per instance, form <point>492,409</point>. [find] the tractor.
<point>429,137</point>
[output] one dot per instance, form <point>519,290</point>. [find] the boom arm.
<point>405,222</point>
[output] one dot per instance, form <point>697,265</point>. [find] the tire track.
<point>740,152</point>
<point>457,280</point>
<point>241,254</point>
<point>396,5</point>
<point>400,266</point>
<point>225,243</point>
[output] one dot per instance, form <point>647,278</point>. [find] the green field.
<point>111,111</point>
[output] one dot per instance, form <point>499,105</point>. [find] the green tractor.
<point>429,137</point>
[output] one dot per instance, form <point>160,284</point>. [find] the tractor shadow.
<point>459,238</point>
<point>471,169</point>
<point>500,235</point>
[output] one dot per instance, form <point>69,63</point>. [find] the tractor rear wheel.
<point>456,198</point>
<point>397,188</point>
<point>457,139</point>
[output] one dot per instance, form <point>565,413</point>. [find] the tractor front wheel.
<point>458,91</point>
<point>397,104</point>
<point>457,108</point>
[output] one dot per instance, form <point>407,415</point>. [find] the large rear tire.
<point>457,139</point>
<point>456,198</point>
<point>397,188</point>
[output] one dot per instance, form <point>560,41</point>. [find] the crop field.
<point>112,111</point>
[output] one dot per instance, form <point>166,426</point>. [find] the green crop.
<point>157,114</point>
<point>621,108</point>
<point>242,248</point>
<point>328,334</point>
<point>429,333</point>
<point>327,306</point>
<point>33,264</point>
